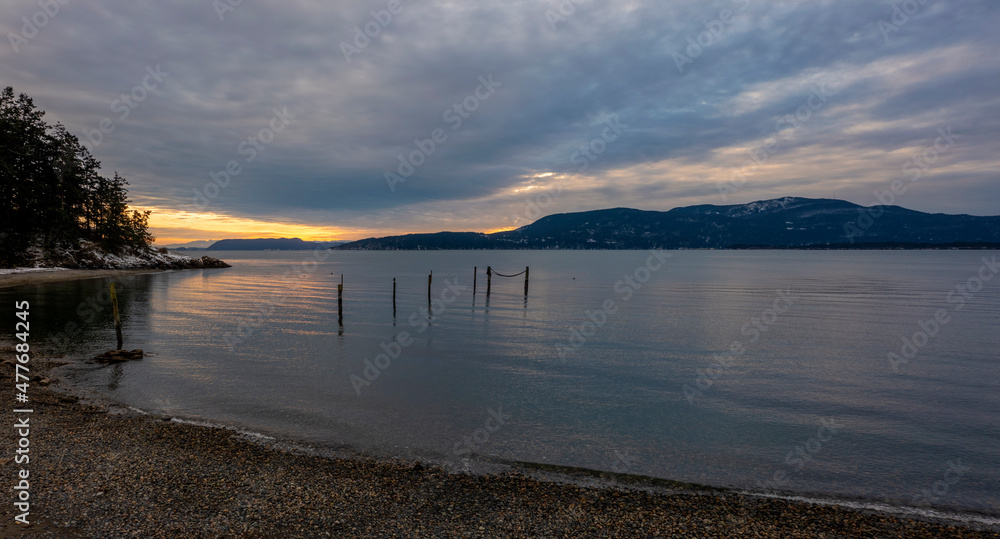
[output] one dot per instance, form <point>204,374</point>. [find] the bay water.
<point>856,374</point>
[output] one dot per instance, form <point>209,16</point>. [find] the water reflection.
<point>825,357</point>
<point>75,317</point>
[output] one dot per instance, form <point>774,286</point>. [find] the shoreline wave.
<point>482,465</point>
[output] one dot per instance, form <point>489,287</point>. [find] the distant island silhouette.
<point>266,244</point>
<point>782,223</point>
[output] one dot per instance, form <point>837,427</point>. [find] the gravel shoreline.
<point>101,471</point>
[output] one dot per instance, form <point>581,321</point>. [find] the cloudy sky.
<point>349,119</point>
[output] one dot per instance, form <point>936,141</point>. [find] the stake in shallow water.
<point>430,281</point>
<point>118,320</point>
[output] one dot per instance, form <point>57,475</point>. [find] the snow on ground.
<point>129,261</point>
<point>26,270</point>
<point>87,255</point>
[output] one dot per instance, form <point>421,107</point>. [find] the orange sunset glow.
<point>173,226</point>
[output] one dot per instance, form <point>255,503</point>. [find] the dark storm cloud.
<point>350,115</point>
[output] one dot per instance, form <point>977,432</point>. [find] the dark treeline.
<point>52,193</point>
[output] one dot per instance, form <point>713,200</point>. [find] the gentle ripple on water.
<point>617,402</point>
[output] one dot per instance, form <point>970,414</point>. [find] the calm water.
<point>811,403</point>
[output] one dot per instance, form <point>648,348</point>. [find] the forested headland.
<point>53,197</point>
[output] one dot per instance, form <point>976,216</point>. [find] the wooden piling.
<point>114,310</point>
<point>340,301</point>
<point>526,281</point>
<point>429,278</point>
<point>394,296</point>
<point>475,271</point>
<point>489,280</point>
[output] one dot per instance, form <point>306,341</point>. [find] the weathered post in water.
<point>489,280</point>
<point>526,281</point>
<point>340,301</point>
<point>429,277</point>
<point>475,271</point>
<point>114,310</point>
<point>394,296</point>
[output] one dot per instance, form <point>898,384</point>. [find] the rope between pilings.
<point>495,272</point>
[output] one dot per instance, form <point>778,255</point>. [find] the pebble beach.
<point>101,470</point>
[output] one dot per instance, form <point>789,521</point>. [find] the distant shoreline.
<point>880,246</point>
<point>836,247</point>
<point>877,246</point>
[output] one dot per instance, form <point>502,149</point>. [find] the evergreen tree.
<point>52,193</point>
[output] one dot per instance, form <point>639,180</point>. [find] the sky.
<point>351,119</point>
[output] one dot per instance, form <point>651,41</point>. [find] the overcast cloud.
<point>667,122</point>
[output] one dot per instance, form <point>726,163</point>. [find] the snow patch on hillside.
<point>761,206</point>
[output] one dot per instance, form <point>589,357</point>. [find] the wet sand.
<point>100,470</point>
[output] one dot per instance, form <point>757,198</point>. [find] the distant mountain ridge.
<point>189,246</point>
<point>788,222</point>
<point>269,244</point>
